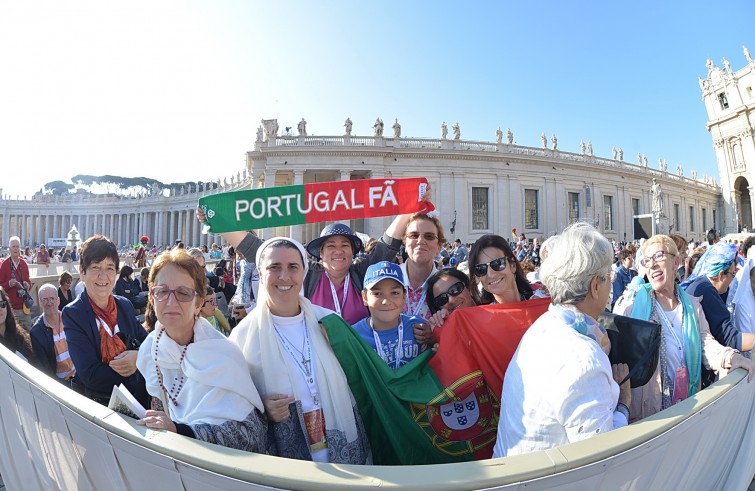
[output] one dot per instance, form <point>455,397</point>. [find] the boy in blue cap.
<point>389,332</point>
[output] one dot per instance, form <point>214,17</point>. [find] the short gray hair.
<point>45,287</point>
<point>13,239</point>
<point>579,254</point>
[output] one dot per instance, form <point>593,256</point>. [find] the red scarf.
<point>110,345</point>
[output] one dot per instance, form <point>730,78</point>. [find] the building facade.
<point>485,187</point>
<point>478,188</point>
<point>729,98</point>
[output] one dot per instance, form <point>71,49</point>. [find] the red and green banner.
<point>312,203</point>
<point>442,408</point>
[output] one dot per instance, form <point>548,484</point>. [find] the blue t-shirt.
<point>389,340</point>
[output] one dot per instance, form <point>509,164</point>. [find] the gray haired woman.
<point>560,386</point>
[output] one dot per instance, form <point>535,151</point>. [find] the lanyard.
<point>399,346</point>
<point>303,363</point>
<point>670,326</point>
<point>340,307</point>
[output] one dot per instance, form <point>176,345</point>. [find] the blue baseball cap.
<point>381,271</point>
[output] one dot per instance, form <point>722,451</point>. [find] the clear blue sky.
<point>174,90</point>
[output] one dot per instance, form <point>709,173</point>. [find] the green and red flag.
<point>312,203</point>
<point>442,408</point>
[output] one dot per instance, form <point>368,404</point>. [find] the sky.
<point>174,90</point>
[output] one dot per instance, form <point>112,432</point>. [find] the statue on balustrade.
<point>582,146</point>
<point>259,134</point>
<point>457,131</point>
<point>509,136</point>
<point>498,136</point>
<point>347,125</point>
<point>378,127</point>
<point>589,147</point>
<point>727,66</point>
<point>657,193</point>
<point>747,54</point>
<point>554,140</point>
<point>396,129</point>
<point>621,155</point>
<point>544,140</point>
<point>443,131</point>
<point>613,153</point>
<point>302,127</point>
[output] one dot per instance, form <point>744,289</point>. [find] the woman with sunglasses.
<point>495,274</point>
<point>101,328</point>
<point>447,291</point>
<point>686,340</point>
<point>199,381</point>
<point>422,241</point>
<point>12,335</point>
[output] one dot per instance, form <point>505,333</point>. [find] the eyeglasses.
<point>212,300</point>
<point>3,304</point>
<point>182,293</point>
<point>454,291</point>
<point>658,257</point>
<point>497,265</point>
<point>48,300</point>
<point>428,236</point>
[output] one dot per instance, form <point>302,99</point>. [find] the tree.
<point>57,188</point>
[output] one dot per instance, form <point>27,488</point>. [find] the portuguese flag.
<point>441,407</point>
<point>312,203</point>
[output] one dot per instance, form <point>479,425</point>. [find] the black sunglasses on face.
<point>497,265</point>
<point>454,291</point>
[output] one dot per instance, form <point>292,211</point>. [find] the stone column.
<point>752,207</point>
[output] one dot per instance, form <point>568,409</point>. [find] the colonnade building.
<point>491,187</point>
<point>478,187</point>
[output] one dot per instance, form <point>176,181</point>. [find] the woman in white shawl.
<point>309,406</point>
<point>197,374</point>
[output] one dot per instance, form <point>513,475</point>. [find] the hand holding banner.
<point>312,203</point>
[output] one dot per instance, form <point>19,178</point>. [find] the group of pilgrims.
<point>275,386</point>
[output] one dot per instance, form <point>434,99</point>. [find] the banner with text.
<point>312,203</point>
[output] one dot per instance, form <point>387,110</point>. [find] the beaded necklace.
<point>176,382</point>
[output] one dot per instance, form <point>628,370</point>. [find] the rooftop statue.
<point>509,136</point>
<point>544,140</point>
<point>457,131</point>
<point>347,125</point>
<point>657,193</point>
<point>302,127</point>
<point>554,140</point>
<point>443,130</point>
<point>378,127</point>
<point>498,136</point>
<point>396,129</point>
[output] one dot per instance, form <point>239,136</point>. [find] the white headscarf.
<point>266,358</point>
<point>218,388</point>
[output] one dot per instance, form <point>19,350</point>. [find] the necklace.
<point>304,362</point>
<point>178,383</point>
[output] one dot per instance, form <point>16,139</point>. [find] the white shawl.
<point>217,388</point>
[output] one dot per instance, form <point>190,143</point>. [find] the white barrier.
<point>53,438</point>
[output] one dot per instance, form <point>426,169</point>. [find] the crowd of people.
<point>263,377</point>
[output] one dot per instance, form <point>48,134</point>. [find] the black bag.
<point>634,342</point>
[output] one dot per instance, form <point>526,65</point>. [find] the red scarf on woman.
<point>110,344</point>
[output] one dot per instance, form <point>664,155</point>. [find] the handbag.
<point>634,342</point>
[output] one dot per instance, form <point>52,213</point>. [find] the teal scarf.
<point>643,307</point>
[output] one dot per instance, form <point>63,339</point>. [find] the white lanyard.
<point>303,363</point>
<point>670,326</point>
<point>339,307</point>
<point>399,346</point>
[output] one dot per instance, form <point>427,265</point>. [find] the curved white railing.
<point>53,438</point>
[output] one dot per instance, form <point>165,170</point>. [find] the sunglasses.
<point>454,291</point>
<point>428,236</point>
<point>497,265</point>
<point>3,304</point>
<point>182,293</point>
